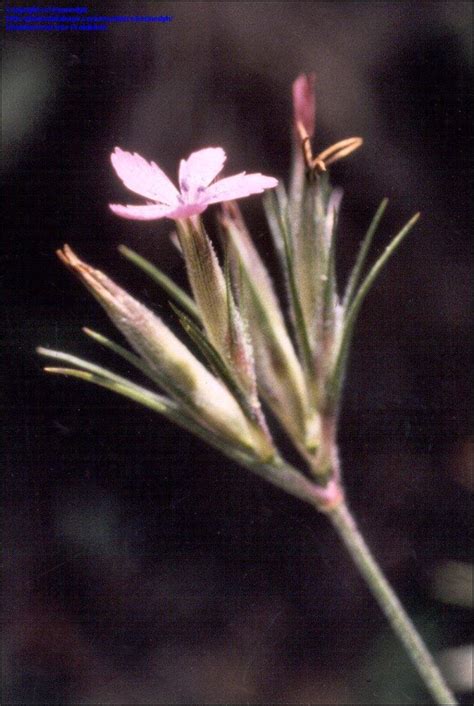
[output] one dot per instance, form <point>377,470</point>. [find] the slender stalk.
<point>346,527</point>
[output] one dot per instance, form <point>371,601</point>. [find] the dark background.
<point>141,566</point>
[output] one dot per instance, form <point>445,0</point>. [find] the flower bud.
<point>304,102</point>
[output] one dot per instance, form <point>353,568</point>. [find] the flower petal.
<point>151,212</point>
<point>200,169</point>
<point>186,210</point>
<point>238,186</point>
<point>144,178</point>
<point>141,213</point>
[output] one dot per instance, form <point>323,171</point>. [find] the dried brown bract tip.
<point>67,256</point>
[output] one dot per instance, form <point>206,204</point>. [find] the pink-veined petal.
<point>238,186</point>
<point>144,178</point>
<point>200,169</point>
<point>149,212</point>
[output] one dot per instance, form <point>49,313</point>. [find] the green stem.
<point>346,527</point>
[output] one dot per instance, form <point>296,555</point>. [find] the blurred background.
<point>141,566</point>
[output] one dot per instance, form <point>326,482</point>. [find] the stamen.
<point>331,154</point>
<point>339,150</point>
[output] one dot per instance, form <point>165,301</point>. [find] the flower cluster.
<point>247,358</point>
<point>254,362</point>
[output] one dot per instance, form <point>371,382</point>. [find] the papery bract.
<point>197,191</point>
<point>174,367</point>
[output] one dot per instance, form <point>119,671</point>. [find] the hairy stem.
<point>346,527</point>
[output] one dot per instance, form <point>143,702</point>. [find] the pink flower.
<point>304,102</point>
<point>197,191</point>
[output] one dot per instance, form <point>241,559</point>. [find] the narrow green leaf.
<point>336,379</point>
<point>168,408</point>
<point>154,375</point>
<point>125,388</point>
<point>362,255</point>
<point>215,360</point>
<point>167,383</point>
<point>272,209</point>
<point>170,287</point>
<point>97,370</point>
<point>127,355</point>
<point>277,472</point>
<point>211,355</point>
<point>81,363</point>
